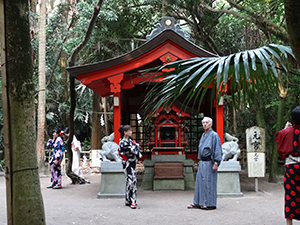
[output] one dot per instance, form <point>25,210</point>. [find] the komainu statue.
<point>110,148</point>
<point>230,148</point>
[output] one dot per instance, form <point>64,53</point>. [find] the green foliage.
<point>86,145</point>
<point>120,26</point>
<point>224,29</point>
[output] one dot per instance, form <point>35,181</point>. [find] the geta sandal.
<point>193,206</point>
<point>56,187</point>
<point>133,206</point>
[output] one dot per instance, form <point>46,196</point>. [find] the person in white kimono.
<point>210,156</point>
<point>76,149</point>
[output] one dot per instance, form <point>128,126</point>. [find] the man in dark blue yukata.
<point>210,156</point>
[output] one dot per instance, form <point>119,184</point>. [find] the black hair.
<point>55,130</point>
<point>296,115</point>
<point>67,131</point>
<point>123,128</point>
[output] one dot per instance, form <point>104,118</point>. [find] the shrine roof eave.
<point>167,35</point>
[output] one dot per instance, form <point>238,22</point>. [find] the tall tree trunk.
<point>234,124</point>
<point>274,154</point>
<point>65,89</point>
<point>25,194</point>
<point>104,100</point>
<point>64,73</point>
<point>6,125</point>
<point>292,9</point>
<point>164,8</point>
<point>260,118</point>
<point>97,132</point>
<point>42,86</point>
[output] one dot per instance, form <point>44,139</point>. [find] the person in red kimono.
<point>287,141</point>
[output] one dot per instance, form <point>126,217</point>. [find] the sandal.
<point>50,186</point>
<point>56,187</point>
<point>193,206</point>
<point>133,206</point>
<point>208,207</point>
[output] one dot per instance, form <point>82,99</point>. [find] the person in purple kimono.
<point>210,157</point>
<point>57,145</point>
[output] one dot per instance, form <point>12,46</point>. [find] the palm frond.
<point>251,72</point>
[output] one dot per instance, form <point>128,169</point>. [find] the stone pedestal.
<point>149,183</point>
<point>112,180</point>
<point>228,179</point>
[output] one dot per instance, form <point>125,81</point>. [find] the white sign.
<point>256,164</point>
<point>96,158</point>
<point>255,139</point>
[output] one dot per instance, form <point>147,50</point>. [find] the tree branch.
<point>59,54</point>
<point>264,24</point>
<point>74,177</point>
<point>87,35</point>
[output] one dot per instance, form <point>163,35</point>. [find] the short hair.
<point>296,115</point>
<point>210,119</point>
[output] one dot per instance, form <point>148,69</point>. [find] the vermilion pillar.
<point>220,119</point>
<point>115,87</point>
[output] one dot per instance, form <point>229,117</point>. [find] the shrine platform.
<point>180,179</point>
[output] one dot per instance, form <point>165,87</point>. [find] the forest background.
<point>66,33</point>
<point>222,27</point>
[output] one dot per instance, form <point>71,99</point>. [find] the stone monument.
<point>112,173</point>
<point>256,161</point>
<point>228,171</point>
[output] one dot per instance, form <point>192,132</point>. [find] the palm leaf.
<point>254,72</point>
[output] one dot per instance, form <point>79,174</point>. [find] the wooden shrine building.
<point>121,78</point>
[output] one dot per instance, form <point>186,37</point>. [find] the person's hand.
<point>288,124</point>
<point>215,167</point>
<point>56,162</point>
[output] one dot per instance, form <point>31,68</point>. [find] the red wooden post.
<point>220,120</point>
<point>155,138</point>
<point>179,135</point>
<point>115,87</point>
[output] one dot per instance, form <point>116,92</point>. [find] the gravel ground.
<point>78,204</point>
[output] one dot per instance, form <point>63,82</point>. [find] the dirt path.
<point>78,204</point>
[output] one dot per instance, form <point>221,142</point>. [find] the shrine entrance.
<point>172,131</point>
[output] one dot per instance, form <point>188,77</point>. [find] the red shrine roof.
<point>167,43</point>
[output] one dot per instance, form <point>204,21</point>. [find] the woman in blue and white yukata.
<point>58,146</point>
<point>130,149</point>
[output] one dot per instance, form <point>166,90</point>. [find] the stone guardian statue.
<point>109,148</point>
<point>230,148</point>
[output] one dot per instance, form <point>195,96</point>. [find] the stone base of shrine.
<point>186,183</point>
<point>168,184</point>
<point>112,180</point>
<point>228,184</point>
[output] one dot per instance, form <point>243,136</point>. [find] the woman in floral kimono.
<point>57,144</point>
<point>129,148</point>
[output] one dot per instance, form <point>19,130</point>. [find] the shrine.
<point>174,132</point>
